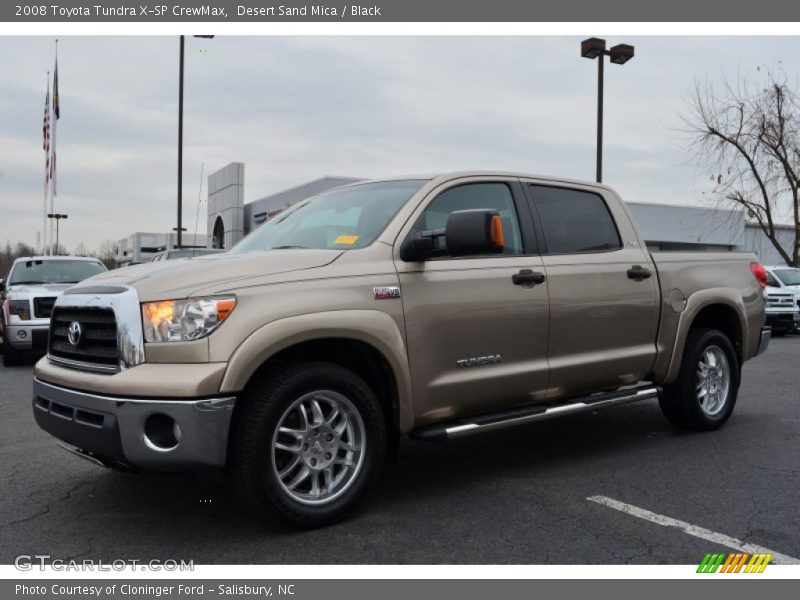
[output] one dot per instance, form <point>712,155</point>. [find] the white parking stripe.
<point>699,532</point>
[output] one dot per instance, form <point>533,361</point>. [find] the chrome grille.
<point>780,301</point>
<point>98,339</point>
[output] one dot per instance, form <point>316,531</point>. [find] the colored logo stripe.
<point>734,562</point>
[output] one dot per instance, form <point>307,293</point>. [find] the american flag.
<point>57,113</point>
<point>46,134</point>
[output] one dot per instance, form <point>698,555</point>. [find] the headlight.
<point>181,320</point>
<point>20,308</point>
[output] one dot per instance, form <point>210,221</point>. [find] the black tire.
<point>264,406</point>
<point>11,356</point>
<point>680,403</point>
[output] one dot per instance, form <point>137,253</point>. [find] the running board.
<point>529,414</point>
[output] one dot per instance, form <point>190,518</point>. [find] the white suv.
<point>29,292</point>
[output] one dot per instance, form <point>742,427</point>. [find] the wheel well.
<point>725,319</point>
<point>359,357</point>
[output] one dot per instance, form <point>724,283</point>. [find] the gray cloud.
<point>295,108</point>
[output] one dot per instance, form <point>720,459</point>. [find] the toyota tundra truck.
<point>434,307</point>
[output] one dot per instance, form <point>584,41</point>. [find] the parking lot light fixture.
<point>595,48</point>
<point>57,217</point>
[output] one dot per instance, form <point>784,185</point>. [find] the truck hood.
<point>181,278</point>
<point>37,290</point>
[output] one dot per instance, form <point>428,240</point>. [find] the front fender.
<point>369,326</point>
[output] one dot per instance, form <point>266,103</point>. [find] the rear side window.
<point>469,196</point>
<point>574,221</point>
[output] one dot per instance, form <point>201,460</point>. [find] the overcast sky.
<point>296,108</point>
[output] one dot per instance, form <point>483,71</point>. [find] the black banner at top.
<point>164,11</point>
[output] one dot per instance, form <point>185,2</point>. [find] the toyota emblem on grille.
<point>74,333</point>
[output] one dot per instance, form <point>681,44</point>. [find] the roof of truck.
<point>448,175</point>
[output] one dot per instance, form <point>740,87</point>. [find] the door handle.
<point>527,276</point>
<point>638,273</point>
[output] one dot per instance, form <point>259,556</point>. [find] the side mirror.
<point>472,232</point>
<point>2,285</point>
<point>467,232</point>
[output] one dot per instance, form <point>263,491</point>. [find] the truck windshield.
<point>53,271</point>
<point>342,219</point>
<point>788,276</point>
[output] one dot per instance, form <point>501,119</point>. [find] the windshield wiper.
<point>25,282</point>
<point>289,247</point>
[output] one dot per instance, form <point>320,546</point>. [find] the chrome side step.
<point>500,420</point>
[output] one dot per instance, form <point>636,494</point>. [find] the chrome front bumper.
<point>763,344</point>
<point>156,435</point>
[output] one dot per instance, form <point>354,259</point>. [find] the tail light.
<point>760,273</point>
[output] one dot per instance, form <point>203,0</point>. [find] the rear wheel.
<point>308,443</point>
<point>704,394</point>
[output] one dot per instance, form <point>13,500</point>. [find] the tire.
<point>703,405</point>
<point>11,356</point>
<point>343,460</point>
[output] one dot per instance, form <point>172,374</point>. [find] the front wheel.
<point>704,394</point>
<point>308,442</point>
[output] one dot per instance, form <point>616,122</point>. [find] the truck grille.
<point>780,301</point>
<point>43,307</point>
<point>98,340</point>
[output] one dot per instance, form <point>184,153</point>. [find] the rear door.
<point>477,342</point>
<point>603,289</point>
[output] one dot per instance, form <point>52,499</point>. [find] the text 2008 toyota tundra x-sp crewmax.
<point>435,306</point>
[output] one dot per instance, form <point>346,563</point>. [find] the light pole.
<point>57,217</point>
<point>620,54</point>
<point>180,229</point>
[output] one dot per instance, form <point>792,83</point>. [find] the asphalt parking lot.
<point>514,496</point>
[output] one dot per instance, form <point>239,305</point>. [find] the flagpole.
<point>53,166</point>
<point>46,134</point>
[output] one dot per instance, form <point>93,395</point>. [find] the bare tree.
<point>748,133</point>
<point>107,253</point>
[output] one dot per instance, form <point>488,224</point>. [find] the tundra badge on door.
<point>479,361</point>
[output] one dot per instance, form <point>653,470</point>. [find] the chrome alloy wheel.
<point>713,380</point>
<point>318,447</point>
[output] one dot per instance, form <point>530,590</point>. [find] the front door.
<point>477,341</point>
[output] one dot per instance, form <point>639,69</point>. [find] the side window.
<point>495,196</point>
<point>574,221</point>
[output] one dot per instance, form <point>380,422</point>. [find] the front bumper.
<point>783,321</point>
<point>147,434</point>
<point>28,337</point>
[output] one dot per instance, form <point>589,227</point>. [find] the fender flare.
<point>372,327</point>
<point>730,297</point>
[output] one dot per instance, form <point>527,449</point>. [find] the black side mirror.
<point>2,285</point>
<point>472,232</point>
<point>467,232</point>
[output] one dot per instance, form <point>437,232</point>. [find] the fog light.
<point>161,432</point>
<point>22,334</point>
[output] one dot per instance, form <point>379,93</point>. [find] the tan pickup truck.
<point>436,307</point>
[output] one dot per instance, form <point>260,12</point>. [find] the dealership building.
<point>665,227</point>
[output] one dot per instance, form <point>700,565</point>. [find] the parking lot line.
<point>699,532</point>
